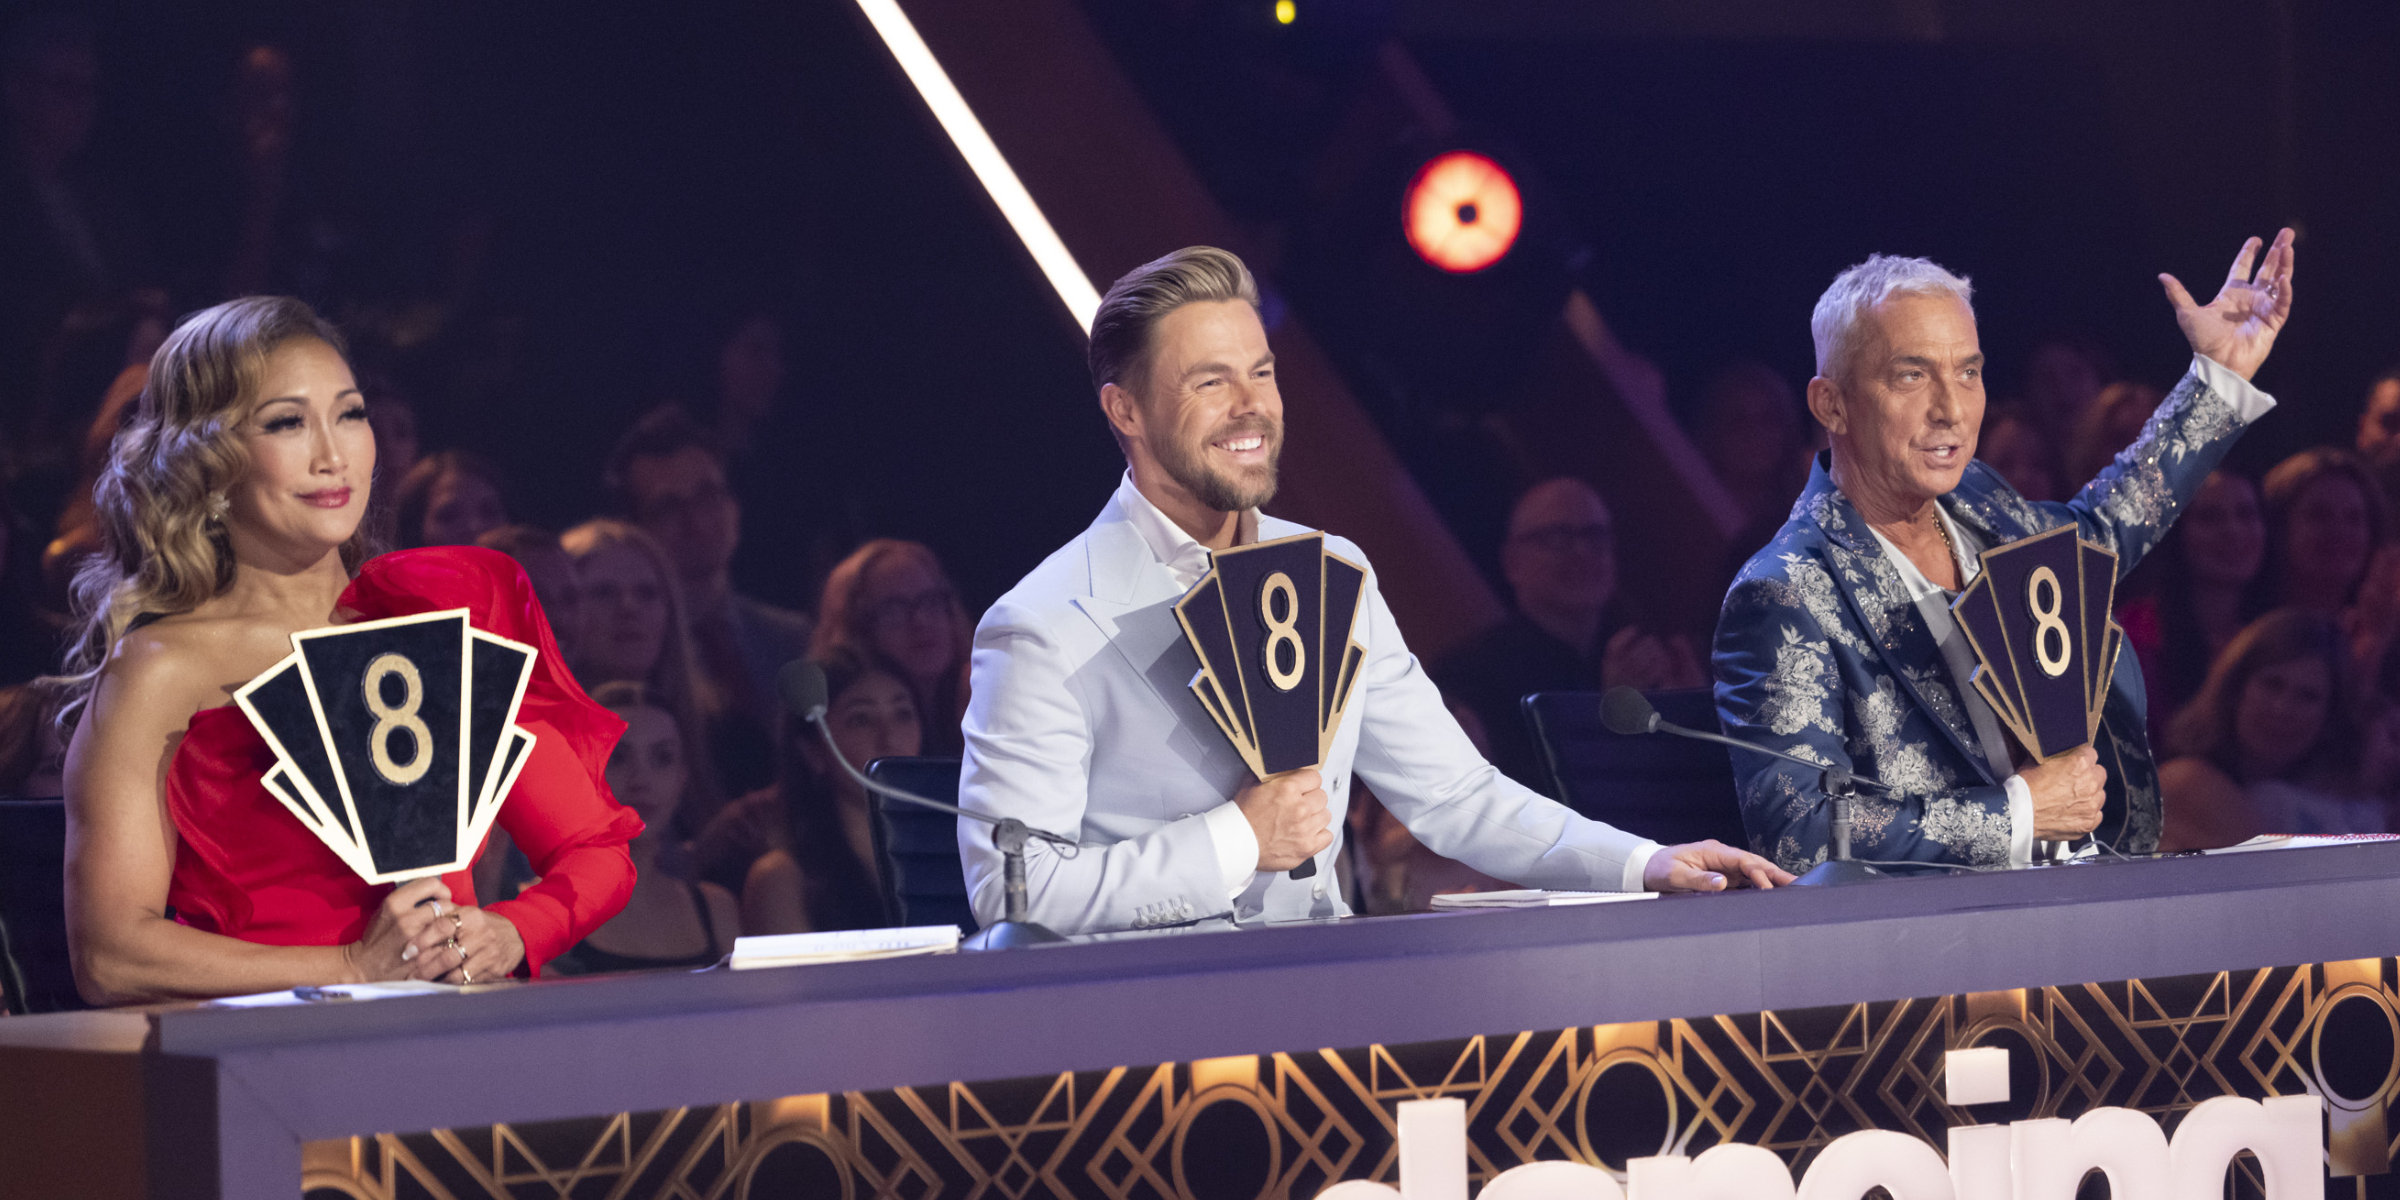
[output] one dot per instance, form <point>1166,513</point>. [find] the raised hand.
<point>2238,328</point>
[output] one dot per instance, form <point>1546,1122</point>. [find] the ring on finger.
<point>457,923</point>
<point>408,953</point>
<point>465,975</point>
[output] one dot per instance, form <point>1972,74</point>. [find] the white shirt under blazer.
<point>1082,722</point>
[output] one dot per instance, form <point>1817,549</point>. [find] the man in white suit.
<point>1082,721</point>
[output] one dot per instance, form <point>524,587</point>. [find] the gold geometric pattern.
<point>1286,1125</point>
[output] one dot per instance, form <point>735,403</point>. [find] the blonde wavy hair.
<point>675,682</point>
<point>160,496</point>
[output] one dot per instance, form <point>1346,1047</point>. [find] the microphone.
<point>1626,711</point>
<point>801,684</point>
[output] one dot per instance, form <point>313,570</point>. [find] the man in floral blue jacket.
<point>1836,642</point>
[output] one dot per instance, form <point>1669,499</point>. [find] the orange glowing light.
<point>1462,212</point>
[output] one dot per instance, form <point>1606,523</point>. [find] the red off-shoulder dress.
<point>245,868</point>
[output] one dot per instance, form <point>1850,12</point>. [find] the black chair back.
<point>923,881</point>
<point>35,975</point>
<point>1657,785</point>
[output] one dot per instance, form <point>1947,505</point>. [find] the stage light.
<point>1462,212</point>
<point>1286,12</point>
<point>991,168</point>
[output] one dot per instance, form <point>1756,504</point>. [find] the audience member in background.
<point>633,632</point>
<point>1750,428</point>
<point>2063,376</point>
<point>393,413</point>
<point>2325,517</point>
<point>31,756</point>
<point>2272,743</point>
<point>70,247</point>
<point>670,922</point>
<point>30,642</point>
<point>891,602</point>
<point>818,870</point>
<point>669,478</point>
<point>450,499</point>
<point>2109,425</point>
<point>1569,630</point>
<point>750,376</point>
<point>2379,431</point>
<point>552,571</point>
<point>78,528</point>
<point>2192,603</point>
<point>2014,445</point>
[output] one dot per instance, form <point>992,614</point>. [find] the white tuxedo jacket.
<point>1082,723</point>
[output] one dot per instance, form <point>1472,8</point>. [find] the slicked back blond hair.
<point>1136,303</point>
<point>162,550</point>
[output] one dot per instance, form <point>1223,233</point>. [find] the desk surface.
<point>634,1043</point>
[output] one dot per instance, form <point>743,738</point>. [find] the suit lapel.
<point>1874,590</point>
<point>1132,601</point>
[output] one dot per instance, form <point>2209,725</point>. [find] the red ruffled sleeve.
<point>560,812</point>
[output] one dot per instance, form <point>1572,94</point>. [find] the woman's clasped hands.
<point>419,934</point>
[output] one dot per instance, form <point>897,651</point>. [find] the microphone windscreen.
<point>1624,710</point>
<point>802,686</point>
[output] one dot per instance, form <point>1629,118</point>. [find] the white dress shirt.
<point>1933,604</point>
<point>1187,560</point>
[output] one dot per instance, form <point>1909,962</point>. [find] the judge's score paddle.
<point>1272,625</point>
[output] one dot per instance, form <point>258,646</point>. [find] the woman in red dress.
<point>231,513</point>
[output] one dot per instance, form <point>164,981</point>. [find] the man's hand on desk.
<point>1706,866</point>
<point>1291,816</point>
<point>2067,794</point>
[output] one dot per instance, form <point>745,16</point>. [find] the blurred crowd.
<point>2264,625</point>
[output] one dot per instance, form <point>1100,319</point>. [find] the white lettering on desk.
<point>2024,1160</point>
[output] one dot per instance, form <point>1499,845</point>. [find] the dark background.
<point>637,177</point>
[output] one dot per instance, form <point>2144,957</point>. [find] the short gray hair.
<point>1834,324</point>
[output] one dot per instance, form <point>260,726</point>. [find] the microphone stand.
<point>1009,836</point>
<point>1840,786</point>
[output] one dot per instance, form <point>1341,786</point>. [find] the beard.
<point>1237,490</point>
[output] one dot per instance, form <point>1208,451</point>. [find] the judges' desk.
<point>1269,1062</point>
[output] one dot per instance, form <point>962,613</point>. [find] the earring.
<point>218,506</point>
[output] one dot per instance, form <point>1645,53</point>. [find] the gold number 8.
<point>2046,623</point>
<point>404,716</point>
<point>1282,632</point>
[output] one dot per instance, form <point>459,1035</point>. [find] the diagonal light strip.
<point>984,158</point>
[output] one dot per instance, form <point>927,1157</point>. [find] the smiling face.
<point>1208,425</point>
<point>624,613</point>
<point>1903,417</point>
<point>312,455</point>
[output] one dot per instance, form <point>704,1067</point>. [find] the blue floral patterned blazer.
<point>1821,653</point>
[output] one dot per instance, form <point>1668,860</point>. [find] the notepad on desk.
<point>844,945</point>
<point>1533,898</point>
<point>2301,841</point>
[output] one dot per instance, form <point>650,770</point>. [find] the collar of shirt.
<point>1964,547</point>
<point>1184,557</point>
